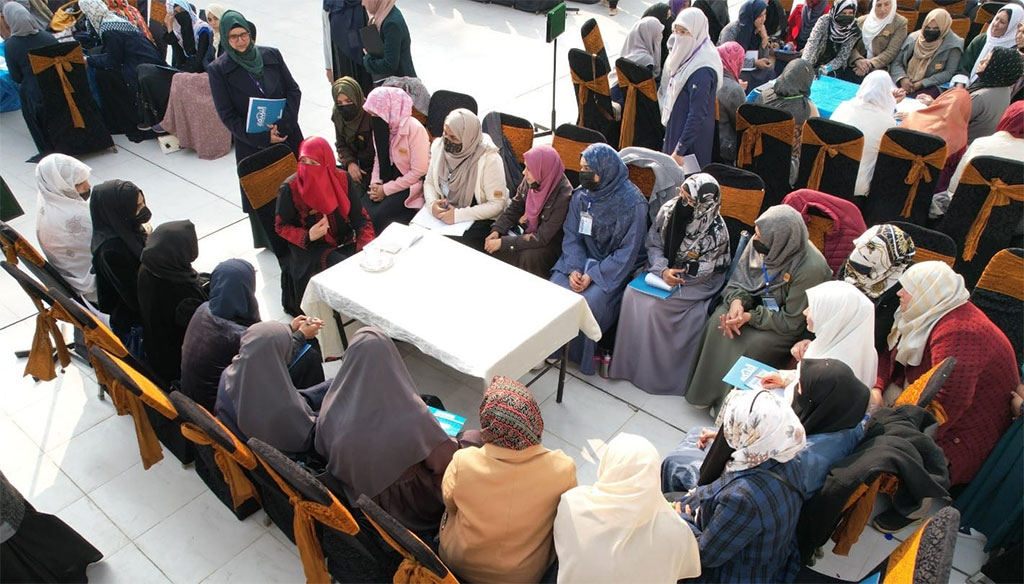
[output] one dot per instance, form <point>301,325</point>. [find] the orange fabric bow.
<point>852,149</point>
<point>752,142</point>
<point>649,90</point>
<point>999,195</point>
<point>64,65</point>
<point>919,170</point>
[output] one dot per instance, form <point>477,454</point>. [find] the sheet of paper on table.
<point>426,220</point>
<point>909,105</point>
<point>394,239</point>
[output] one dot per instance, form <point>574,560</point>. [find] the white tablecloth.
<point>466,309</point>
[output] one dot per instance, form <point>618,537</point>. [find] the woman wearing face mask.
<point>537,211</point>
<point>831,42</point>
<point>689,83</point>
<point>353,137</point>
<point>882,34</point>
<point>1001,33</point>
<point>603,237</point>
<point>990,90</point>
<point>466,179</point>
<point>802,21</point>
<point>63,224</point>
<point>752,34</point>
<point>929,57</point>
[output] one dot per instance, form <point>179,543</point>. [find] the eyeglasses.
<point>242,36</point>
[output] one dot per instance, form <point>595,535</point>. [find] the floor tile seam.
<point>175,174</point>
<point>47,450</point>
<point>623,400</point>
<point>128,540</point>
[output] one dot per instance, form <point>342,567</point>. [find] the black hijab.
<point>831,398</point>
<point>170,251</point>
<point>233,292</point>
<point>112,207</point>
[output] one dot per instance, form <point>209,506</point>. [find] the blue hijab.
<point>611,205</point>
<point>233,292</point>
<point>749,12</point>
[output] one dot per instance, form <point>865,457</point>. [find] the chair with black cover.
<point>352,554</point>
<point>570,141</point>
<point>985,213</point>
<point>641,116</point>
<point>765,136</point>
<point>829,157</point>
<point>48,343</point>
<point>442,102</point>
<point>983,17</point>
<point>593,94</point>
<point>930,245</point>
<point>742,195</point>
<point>420,563</point>
<point>925,556</point>
<point>16,248</point>
<point>220,457</point>
<point>908,167</point>
<point>519,133</point>
<point>593,43</point>
<point>1000,295</point>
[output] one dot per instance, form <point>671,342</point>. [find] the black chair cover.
<point>839,172</point>
<point>595,109</point>
<point>442,103</point>
<point>930,244</point>
<point>1000,295</point>
<point>646,119</point>
<point>774,162</point>
<point>742,196</point>
<point>889,190</point>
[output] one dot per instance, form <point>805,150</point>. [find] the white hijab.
<point>760,427</point>
<point>63,223</point>
<point>935,290</point>
<point>1008,40</point>
<point>643,43</point>
<point>622,529</point>
<point>844,328</point>
<point>876,89</point>
<point>686,54</point>
<point>874,25</point>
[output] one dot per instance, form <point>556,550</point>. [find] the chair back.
<point>961,25</point>
<point>16,248</point>
<point>930,245</point>
<point>985,213</point>
<point>641,116</point>
<point>922,391</point>
<point>519,133</point>
<point>911,15</point>
<point>593,94</point>
<point>261,174</point>
<point>593,43</point>
<point>570,141</point>
<point>643,178</point>
<point>927,555</point>
<point>742,196</point>
<point>787,5</point>
<point>421,565</point>
<point>832,223</point>
<point>908,167</point>
<point>765,137</point>
<point>47,335</point>
<point>987,11</point>
<point>442,102</point>
<point>830,157</point>
<point>1000,295</point>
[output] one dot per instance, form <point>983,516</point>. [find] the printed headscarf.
<point>510,416</point>
<point>760,427</point>
<point>879,257</point>
<point>701,237</point>
<point>732,55</point>
<point>1003,70</point>
<point>935,290</point>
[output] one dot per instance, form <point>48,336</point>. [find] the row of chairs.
<point>966,26</point>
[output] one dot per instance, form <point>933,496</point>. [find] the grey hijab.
<point>260,389</point>
<point>373,425</point>
<point>792,90</point>
<point>783,230</point>
<point>459,170</point>
<point>19,20</point>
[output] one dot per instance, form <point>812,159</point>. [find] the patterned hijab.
<point>837,33</point>
<point>879,257</point>
<point>1004,68</point>
<point>732,55</point>
<point>917,67</point>
<point>760,427</point>
<point>392,105</point>
<point>198,25</point>
<point>510,416</point>
<point>102,19</point>
<point>935,290</point>
<point>547,168</point>
<point>63,223</point>
<point>130,13</point>
<point>783,230</point>
<point>698,232</point>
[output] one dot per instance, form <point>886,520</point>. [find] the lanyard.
<point>767,281</point>
<point>257,82</point>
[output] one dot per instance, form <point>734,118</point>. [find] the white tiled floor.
<point>70,454</point>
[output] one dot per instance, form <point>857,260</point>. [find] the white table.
<point>466,309</point>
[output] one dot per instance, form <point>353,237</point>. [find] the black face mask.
<point>144,215</point>
<point>760,247</point>
<point>85,196</point>
<point>931,35</point>
<point>844,19</point>
<point>587,180</point>
<point>451,147</point>
<point>349,111</point>
<point>534,186</point>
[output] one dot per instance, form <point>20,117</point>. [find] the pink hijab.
<point>391,104</point>
<point>546,167</point>
<point>378,10</point>
<point>732,54</point>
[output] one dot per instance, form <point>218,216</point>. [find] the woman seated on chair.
<point>936,319</point>
<point>750,33</point>
<point>169,293</point>
<point>500,499</point>
<point>947,117</point>
<point>990,91</point>
<point>402,158</point>
<point>832,41</point>
<point>256,397</point>
<point>602,242</point>
<point>687,249</point>
<point>929,57</point>
<point>761,315</point>
<point>63,224</point>
<point>871,112</point>
<point>466,179</point>
<point>1001,33</point>
<point>802,20</point>
<point>528,233</point>
<point>731,95</point>
<point>215,332</point>
<point>120,226</point>
<point>353,137</point>
<point>379,438</point>
<point>320,214</point>
<point>619,529</point>
<point>792,93</point>
<point>882,33</point>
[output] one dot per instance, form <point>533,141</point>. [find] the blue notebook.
<point>640,285</point>
<point>263,113</point>
<point>451,423</point>
<point>746,372</point>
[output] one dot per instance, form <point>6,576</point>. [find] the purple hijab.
<point>546,166</point>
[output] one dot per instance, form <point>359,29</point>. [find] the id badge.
<point>586,223</point>
<point>768,301</point>
<point>445,189</point>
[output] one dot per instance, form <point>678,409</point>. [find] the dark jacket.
<point>549,229</point>
<point>125,51</point>
<point>397,58</point>
<point>188,55</point>
<point>166,308</point>
<point>359,150</point>
<point>117,275</point>
<point>16,52</point>
<point>944,63</point>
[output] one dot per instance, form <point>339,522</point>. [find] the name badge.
<point>768,301</point>
<point>445,189</point>
<point>586,223</point>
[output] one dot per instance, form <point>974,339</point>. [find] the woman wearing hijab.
<point>215,331</point>
<point>63,224</point>
<point>745,521</point>
<point>731,95</point>
<point>690,81</point>
<point>929,57</point>
<point>832,41</point>
<point>990,91</point>
<point>776,24</point>
<point>936,320</point>
<point>948,117</point>
<point>353,137</point>
<point>320,214</point>
<point>802,21</point>
<point>602,241</point>
<point>169,293</point>
<point>379,438</point>
<point>871,112</point>
<point>402,157</point>
<point>761,315</point>
<point>665,15</point>
<point>500,499</point>
<point>248,71</point>
<point>38,10</point>
<point>882,33</point>
<point>256,397</point>
<point>343,49</point>
<point>528,233</point>
<point>466,178</point>
<point>879,257</point>
<point>119,220</point>
<point>26,36</point>
<point>619,529</point>
<point>643,47</point>
<point>1000,34</point>
<point>130,13</point>
<point>687,248</point>
<point>396,61</point>
<point>752,35</point>
<point>792,93</point>
<point>214,12</point>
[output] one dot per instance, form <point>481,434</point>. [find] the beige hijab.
<point>935,290</point>
<point>378,10</point>
<point>917,68</point>
<point>459,170</point>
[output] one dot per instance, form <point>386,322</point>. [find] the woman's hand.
<point>319,229</point>
<point>772,380</point>
<point>448,215</point>
<point>275,137</point>
<point>492,242</point>
<point>862,67</point>
<point>764,63</point>
<point>876,400</point>
<point>438,207</point>
<point>311,326</point>
<point>579,282</point>
<point>376,192</point>
<point>799,349</point>
<point>925,99</point>
<point>906,85</point>
<point>705,438</point>
<point>898,94</point>
<point>355,172</point>
<point>671,276</point>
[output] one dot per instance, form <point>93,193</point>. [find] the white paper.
<point>393,240</point>
<point>656,282</point>
<point>690,164</point>
<point>748,60</point>
<point>427,220</point>
<point>909,105</point>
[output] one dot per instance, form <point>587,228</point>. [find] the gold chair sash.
<point>742,204</point>
<point>752,142</point>
<point>919,170</point>
<point>411,571</point>
<point>649,90</point>
<point>598,85</point>
<point>64,64</point>
<point>1004,275</point>
<point>230,465</point>
<point>999,195</point>
<point>851,149</point>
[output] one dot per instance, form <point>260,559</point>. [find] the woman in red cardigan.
<point>936,320</point>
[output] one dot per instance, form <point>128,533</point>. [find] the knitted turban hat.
<point>510,416</point>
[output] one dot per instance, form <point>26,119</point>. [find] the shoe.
<point>143,127</point>
<point>613,11</point>
<point>892,522</point>
<point>158,129</point>
<point>35,159</point>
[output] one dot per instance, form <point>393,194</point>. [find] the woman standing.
<point>1000,34</point>
<point>832,41</point>
<point>63,224</point>
<point>990,90</point>
<point>25,36</point>
<point>882,32</point>
<point>396,61</point>
<point>402,157</point>
<point>690,81</point>
<point>353,137</point>
<point>929,57</point>
<point>752,35</point>
<point>871,111</point>
<point>343,49</point>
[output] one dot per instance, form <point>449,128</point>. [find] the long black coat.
<point>125,51</point>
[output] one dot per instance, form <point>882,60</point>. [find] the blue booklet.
<point>263,113</point>
<point>746,373</point>
<point>640,284</point>
<point>451,423</point>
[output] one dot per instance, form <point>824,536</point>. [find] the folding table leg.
<point>561,373</point>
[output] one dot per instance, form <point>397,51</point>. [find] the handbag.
<point>67,16</point>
